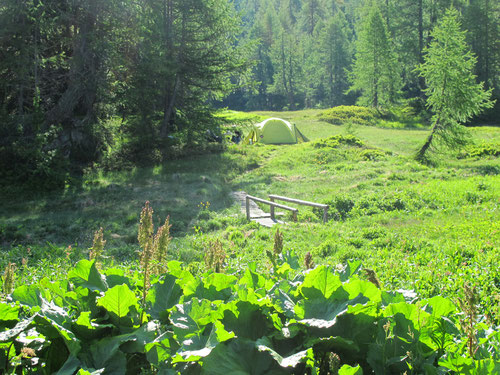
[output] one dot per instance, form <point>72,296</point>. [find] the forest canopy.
<point>88,81</point>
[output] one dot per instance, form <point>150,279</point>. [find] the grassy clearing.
<point>427,228</point>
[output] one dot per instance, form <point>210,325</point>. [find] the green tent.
<point>275,131</point>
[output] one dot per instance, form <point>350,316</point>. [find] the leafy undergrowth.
<point>343,114</point>
<point>481,150</point>
<point>403,117</point>
<point>286,321</point>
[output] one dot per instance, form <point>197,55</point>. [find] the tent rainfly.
<point>275,131</point>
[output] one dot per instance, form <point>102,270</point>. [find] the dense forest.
<point>324,53</point>
<point>136,81</point>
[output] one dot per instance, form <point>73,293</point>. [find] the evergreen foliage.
<point>453,94</point>
<point>124,82</point>
<point>375,72</point>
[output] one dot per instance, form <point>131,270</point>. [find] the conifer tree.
<point>336,56</point>
<point>375,72</point>
<point>453,94</point>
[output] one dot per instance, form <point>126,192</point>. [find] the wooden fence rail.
<point>273,197</point>
<point>270,203</point>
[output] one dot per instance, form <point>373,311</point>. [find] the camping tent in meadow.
<point>275,131</point>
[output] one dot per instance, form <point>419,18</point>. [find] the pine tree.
<point>453,93</point>
<point>375,72</point>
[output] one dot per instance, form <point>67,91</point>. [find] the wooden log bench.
<point>273,197</point>
<point>269,203</point>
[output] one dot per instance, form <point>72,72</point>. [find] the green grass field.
<point>430,229</point>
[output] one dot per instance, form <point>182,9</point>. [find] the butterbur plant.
<point>154,247</point>
<point>308,261</point>
<point>278,242</point>
<point>160,247</point>
<point>277,248</point>
<point>145,237</point>
<point>468,304</point>
<point>9,278</point>
<point>372,277</point>
<point>97,245</point>
<point>215,256</point>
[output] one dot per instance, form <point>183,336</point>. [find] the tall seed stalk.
<point>97,246</point>
<point>145,238</point>
<point>9,278</point>
<point>160,247</point>
<point>215,256</point>
<point>468,304</point>
<point>154,248</point>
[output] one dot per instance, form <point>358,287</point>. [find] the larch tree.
<point>336,56</point>
<point>375,72</point>
<point>453,94</point>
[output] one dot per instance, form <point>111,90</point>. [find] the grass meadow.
<point>432,229</point>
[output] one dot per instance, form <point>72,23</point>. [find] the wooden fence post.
<point>248,207</point>
<point>272,209</point>
<point>325,214</point>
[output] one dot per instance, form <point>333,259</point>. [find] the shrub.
<point>353,114</point>
<point>482,150</point>
<point>340,207</point>
<point>372,154</point>
<point>337,140</point>
<point>325,249</point>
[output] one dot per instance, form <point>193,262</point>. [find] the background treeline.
<point>136,81</point>
<point>80,76</point>
<point>323,53</point>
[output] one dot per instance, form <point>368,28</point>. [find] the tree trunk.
<point>421,153</point>
<point>421,80</point>
<point>291,98</point>
<point>168,109</point>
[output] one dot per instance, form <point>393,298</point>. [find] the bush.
<point>372,154</point>
<point>353,114</point>
<point>337,140</point>
<point>340,207</point>
<point>483,150</point>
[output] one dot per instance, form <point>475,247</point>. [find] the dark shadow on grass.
<point>71,216</point>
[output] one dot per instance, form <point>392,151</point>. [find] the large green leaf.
<point>191,318</point>
<point>29,295</point>
<point>467,365</point>
<point>356,287</point>
<point>332,344</point>
<point>216,286</point>
<point>55,323</point>
<point>87,329</point>
<point>136,341</point>
<point>322,313</point>
<point>161,349</point>
<point>349,370</point>
<point>352,267</point>
<point>116,276</point>
<point>248,320</point>
<point>118,301</point>
<point>292,360</point>
<point>85,274</point>
<point>320,282</point>
<point>186,280</point>
<point>162,296</point>
<point>240,357</point>
<point>403,331</point>
<point>8,313</point>
<point>9,335</point>
<point>56,289</point>
<point>251,279</point>
<point>199,346</point>
<point>106,354</point>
